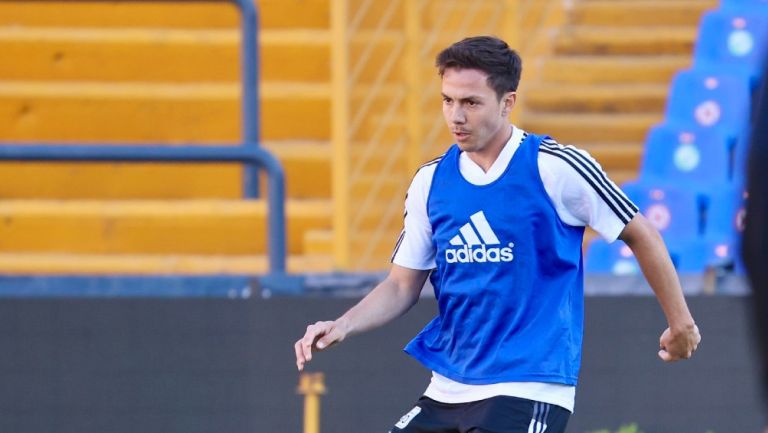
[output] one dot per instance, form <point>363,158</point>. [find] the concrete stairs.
<point>161,73</point>
<point>607,79</point>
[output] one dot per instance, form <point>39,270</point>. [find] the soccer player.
<point>497,224</point>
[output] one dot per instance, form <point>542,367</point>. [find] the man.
<point>500,218</point>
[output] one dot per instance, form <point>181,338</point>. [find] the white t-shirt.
<point>582,195</point>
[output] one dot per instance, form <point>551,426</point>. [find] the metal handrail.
<point>250,82</point>
<point>248,151</point>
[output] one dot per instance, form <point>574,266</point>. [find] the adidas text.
<point>479,254</point>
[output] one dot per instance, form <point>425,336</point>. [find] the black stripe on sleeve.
<point>597,171</point>
<point>590,169</point>
<point>622,215</point>
<point>428,163</point>
<point>405,212</point>
<point>397,246</point>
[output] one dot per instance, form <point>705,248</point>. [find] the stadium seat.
<point>734,40</point>
<point>711,103</point>
<point>725,209</point>
<point>744,6</point>
<point>674,211</point>
<point>615,258</point>
<point>709,100</point>
<point>696,255</point>
<point>719,244</point>
<point>687,157</point>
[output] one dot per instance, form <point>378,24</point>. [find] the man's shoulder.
<point>430,163</point>
<point>429,166</point>
<point>422,179</point>
<point>549,143</point>
<point>553,152</point>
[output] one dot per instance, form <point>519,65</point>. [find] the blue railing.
<point>248,152</point>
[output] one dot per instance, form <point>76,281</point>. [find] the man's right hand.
<point>319,336</point>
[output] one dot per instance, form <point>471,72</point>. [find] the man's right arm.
<point>388,300</point>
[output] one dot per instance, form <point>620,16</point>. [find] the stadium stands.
<point>157,72</point>
<point>80,74</point>
<point>696,156</point>
<point>606,80</point>
<point>734,40</point>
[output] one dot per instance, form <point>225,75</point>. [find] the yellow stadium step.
<point>34,180</point>
<point>142,112</point>
<point>152,112</point>
<point>208,14</point>
<point>295,55</point>
<point>649,13</point>
<point>133,112</point>
<point>153,264</point>
<point>605,98</point>
<point>314,14</point>
<point>293,111</point>
<point>202,227</point>
<point>594,128</point>
<point>380,186</point>
<point>615,156</point>
<point>158,54</point>
<point>306,164</point>
<point>596,69</point>
<point>318,242</point>
<point>375,246</point>
<point>620,176</point>
<point>171,14</point>
<point>626,40</point>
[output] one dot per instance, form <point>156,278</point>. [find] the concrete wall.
<point>227,366</point>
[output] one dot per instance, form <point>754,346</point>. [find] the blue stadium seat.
<point>709,100</point>
<point>674,211</point>
<point>744,6</point>
<point>723,224</point>
<point>725,209</point>
<point>687,157</point>
<point>734,39</point>
<point>696,255</point>
<point>615,259</point>
<point>695,243</point>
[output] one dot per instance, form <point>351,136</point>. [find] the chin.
<point>466,147</point>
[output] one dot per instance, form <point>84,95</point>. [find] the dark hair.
<point>488,54</point>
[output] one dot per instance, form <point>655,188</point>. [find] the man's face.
<point>472,110</point>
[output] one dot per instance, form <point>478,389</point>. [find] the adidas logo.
<point>474,239</point>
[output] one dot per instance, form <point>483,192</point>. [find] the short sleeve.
<point>581,192</point>
<point>414,248</point>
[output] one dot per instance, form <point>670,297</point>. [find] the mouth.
<point>460,135</point>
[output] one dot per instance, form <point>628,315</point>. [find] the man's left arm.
<point>682,337</point>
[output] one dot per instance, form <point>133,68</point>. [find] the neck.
<point>487,156</point>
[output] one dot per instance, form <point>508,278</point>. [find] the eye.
<point>446,100</point>
<point>472,103</point>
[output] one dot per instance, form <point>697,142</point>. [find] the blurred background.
<point>185,185</point>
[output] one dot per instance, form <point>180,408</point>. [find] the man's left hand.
<point>679,343</point>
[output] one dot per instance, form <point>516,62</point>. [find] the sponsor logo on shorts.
<point>407,418</point>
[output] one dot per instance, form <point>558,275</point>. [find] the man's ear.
<point>509,100</point>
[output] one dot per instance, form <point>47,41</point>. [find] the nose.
<point>456,115</point>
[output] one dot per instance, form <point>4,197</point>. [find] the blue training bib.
<point>509,278</point>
